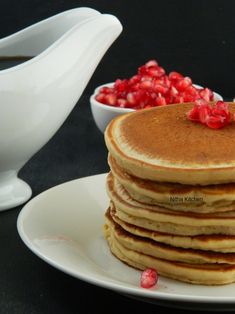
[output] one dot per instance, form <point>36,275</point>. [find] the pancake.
<point>201,199</point>
<point>161,144</point>
<point>168,252</point>
<point>160,219</point>
<point>206,274</point>
<point>218,243</point>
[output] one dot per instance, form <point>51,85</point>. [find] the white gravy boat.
<point>36,96</point>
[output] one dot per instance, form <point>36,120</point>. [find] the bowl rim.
<point>93,101</point>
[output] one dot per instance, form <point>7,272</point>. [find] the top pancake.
<point>162,144</point>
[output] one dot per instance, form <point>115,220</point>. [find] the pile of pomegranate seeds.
<point>148,278</point>
<point>152,87</point>
<point>215,117</point>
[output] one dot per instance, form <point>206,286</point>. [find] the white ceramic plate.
<point>63,226</point>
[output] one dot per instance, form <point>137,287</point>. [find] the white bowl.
<point>103,114</point>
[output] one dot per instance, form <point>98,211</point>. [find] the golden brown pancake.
<point>218,243</point>
<point>200,199</point>
<point>153,217</point>
<point>206,274</point>
<point>162,250</point>
<point>161,144</point>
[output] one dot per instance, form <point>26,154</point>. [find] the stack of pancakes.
<point>172,195</point>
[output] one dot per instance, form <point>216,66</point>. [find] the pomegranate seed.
<point>153,95</point>
<point>110,99</point>
<point>160,101</point>
<point>215,122</point>
<point>206,94</point>
<point>106,90</point>
<point>151,86</point>
<point>146,78</point>
<point>151,63</point>
<point>156,72</point>
<point>173,76</point>
<point>159,88</point>
<point>142,70</point>
<point>178,99</point>
<point>145,84</point>
<point>135,87</point>
<point>134,79</point>
<point>101,98</point>
<point>117,83</point>
<point>192,91</point>
<point>166,81</point>
<point>201,102</point>
<point>204,113</point>
<point>120,85</point>
<point>122,103</point>
<point>214,117</point>
<point>183,83</point>
<point>193,114</point>
<point>221,109</point>
<point>222,104</point>
<point>173,91</point>
<point>149,278</point>
<point>131,99</point>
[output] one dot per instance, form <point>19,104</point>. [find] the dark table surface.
<point>28,284</point>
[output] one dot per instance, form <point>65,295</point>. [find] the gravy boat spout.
<point>36,96</point>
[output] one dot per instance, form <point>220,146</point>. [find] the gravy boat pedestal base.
<point>13,191</point>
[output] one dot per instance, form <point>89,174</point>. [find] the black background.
<point>196,38</point>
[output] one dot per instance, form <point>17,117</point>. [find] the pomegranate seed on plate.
<point>148,278</point>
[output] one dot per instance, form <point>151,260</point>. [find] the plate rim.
<point>115,286</point>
